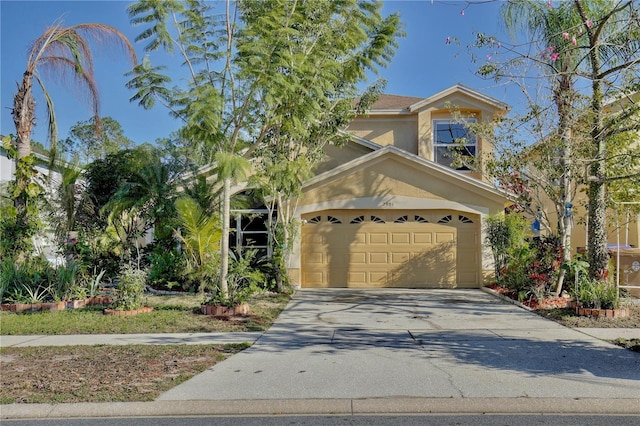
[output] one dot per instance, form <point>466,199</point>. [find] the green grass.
<point>171,314</point>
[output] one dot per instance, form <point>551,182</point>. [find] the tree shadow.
<point>515,348</point>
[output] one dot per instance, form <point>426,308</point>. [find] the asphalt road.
<point>435,420</point>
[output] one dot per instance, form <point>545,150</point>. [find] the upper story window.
<point>451,137</point>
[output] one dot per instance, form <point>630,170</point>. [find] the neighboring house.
<point>387,210</point>
<point>44,242</point>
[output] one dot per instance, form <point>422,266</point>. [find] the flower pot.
<point>53,306</point>
<point>16,307</point>
<point>76,304</point>
<point>601,313</point>
<point>221,311</point>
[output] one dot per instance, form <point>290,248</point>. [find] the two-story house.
<point>389,210</point>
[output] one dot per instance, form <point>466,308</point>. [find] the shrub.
<point>131,285</point>
<point>596,294</point>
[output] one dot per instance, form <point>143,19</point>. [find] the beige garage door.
<point>433,249</point>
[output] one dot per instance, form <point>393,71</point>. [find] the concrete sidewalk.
<point>389,351</point>
<point>130,339</point>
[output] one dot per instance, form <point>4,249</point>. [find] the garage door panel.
<point>400,257</point>
<point>378,258</point>
<point>378,238</point>
<point>358,258</point>
<point>358,278</point>
<point>316,258</point>
<point>407,253</point>
<point>401,238</point>
<point>444,237</point>
<point>422,238</point>
<point>360,238</point>
<point>378,277</point>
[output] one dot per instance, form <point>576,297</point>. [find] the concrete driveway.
<point>392,343</point>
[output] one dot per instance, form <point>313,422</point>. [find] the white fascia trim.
<point>462,89</point>
<point>363,142</point>
<point>391,202</point>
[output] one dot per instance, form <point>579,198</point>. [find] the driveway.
<point>391,343</point>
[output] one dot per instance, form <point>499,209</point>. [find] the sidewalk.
<point>130,339</point>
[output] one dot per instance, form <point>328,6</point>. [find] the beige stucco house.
<point>389,210</point>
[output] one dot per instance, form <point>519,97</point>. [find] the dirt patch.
<point>50,374</point>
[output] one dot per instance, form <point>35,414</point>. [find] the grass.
<point>171,314</point>
<point>66,374</point>
<point>51,374</point>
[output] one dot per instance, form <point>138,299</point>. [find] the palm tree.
<point>63,52</point>
<point>60,51</point>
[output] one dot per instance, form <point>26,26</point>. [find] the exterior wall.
<point>399,130</point>
<point>397,184</point>
<point>336,156</point>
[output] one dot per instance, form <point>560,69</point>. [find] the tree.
<point>571,40</point>
<point>280,71</point>
<point>58,51</point>
<point>612,31</point>
<point>90,145</point>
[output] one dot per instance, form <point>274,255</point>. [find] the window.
<point>445,219</point>
<point>402,219</point>
<point>332,219</point>
<point>315,219</point>
<point>450,137</point>
<point>358,219</point>
<point>376,219</point>
<point>464,219</point>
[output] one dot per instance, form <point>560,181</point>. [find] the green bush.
<point>131,286</point>
<point>596,294</point>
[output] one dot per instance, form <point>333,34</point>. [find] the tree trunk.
<point>23,113</point>
<point>564,102</point>
<point>597,227</point>
<point>224,242</point>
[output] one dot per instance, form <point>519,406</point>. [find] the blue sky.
<point>424,63</point>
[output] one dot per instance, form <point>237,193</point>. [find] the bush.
<point>131,285</point>
<point>596,294</point>
<point>167,268</point>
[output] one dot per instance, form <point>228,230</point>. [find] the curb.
<point>347,407</point>
<point>505,298</point>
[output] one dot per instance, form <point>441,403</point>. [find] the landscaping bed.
<point>171,314</point>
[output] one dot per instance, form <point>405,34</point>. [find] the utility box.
<point>629,269</point>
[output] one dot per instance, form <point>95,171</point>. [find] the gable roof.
<point>456,178</point>
<point>397,104</point>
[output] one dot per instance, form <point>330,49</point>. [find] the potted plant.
<point>242,283</point>
<point>130,296</point>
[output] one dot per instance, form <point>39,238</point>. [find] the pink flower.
<point>549,4</point>
<point>580,31</point>
<point>462,12</point>
<point>555,57</point>
<point>588,24</point>
<point>574,41</point>
<point>565,35</point>
<point>489,57</point>
<point>448,40</point>
<point>550,49</point>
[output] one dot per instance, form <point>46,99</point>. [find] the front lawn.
<point>171,314</point>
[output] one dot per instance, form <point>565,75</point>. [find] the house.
<point>389,210</point>
<point>44,241</point>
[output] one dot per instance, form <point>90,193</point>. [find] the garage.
<point>390,248</point>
